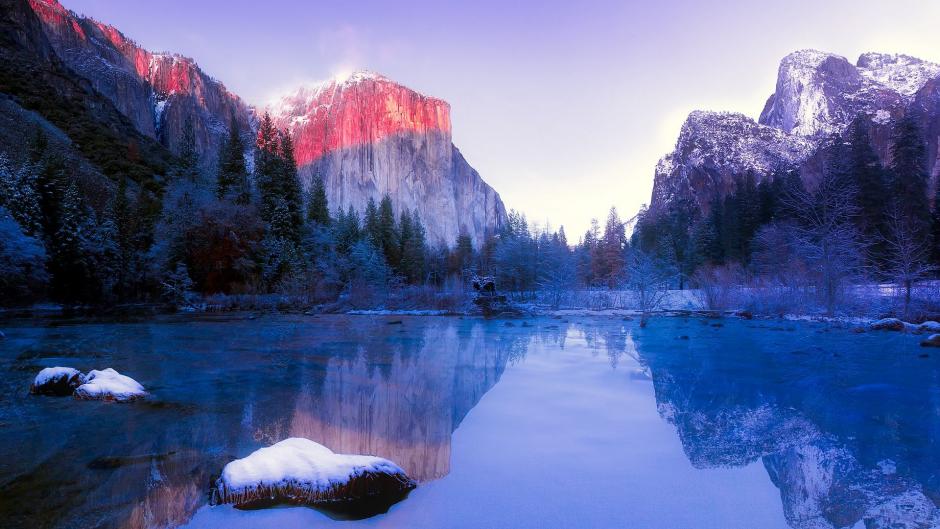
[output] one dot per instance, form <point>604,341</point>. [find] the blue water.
<point>592,422</point>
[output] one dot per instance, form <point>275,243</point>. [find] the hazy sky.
<point>563,107</point>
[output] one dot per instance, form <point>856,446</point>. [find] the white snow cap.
<point>299,462</point>
<point>108,384</point>
<point>50,374</point>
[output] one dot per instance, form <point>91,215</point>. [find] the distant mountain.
<point>817,96</point>
<point>368,136</point>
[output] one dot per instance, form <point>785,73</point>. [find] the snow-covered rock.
<point>888,324</point>
<point>108,384</point>
<point>301,472</point>
<point>932,341</point>
<point>57,381</point>
<point>929,326</point>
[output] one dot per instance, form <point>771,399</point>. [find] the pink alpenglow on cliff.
<point>362,108</point>
<point>299,471</point>
<point>367,136</point>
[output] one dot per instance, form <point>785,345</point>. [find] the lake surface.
<point>592,422</point>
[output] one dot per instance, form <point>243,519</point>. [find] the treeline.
<point>248,229</point>
<point>860,222</point>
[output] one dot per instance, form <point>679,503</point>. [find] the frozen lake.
<point>592,422</point>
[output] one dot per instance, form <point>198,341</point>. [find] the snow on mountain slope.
<point>819,93</point>
<point>817,96</point>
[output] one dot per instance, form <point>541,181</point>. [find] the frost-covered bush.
<point>23,274</point>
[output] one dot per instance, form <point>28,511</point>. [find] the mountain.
<point>817,96</point>
<point>157,92</point>
<point>368,136</point>
<point>38,91</point>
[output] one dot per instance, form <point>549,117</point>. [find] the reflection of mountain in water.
<point>223,390</point>
<point>407,409</point>
<point>844,439</point>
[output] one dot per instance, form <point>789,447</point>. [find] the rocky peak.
<point>368,136</point>
<point>902,73</point>
<point>157,92</point>
<point>715,149</point>
<point>356,109</point>
<point>819,94</point>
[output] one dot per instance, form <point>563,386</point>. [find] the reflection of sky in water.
<point>595,423</point>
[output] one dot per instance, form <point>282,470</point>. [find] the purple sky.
<point>564,107</point>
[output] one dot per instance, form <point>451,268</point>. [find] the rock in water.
<point>888,324</point>
<point>108,384</point>
<point>932,327</point>
<point>932,341</point>
<point>298,471</point>
<point>57,381</point>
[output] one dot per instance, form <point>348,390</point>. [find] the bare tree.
<point>649,279</point>
<point>908,251</point>
<point>825,234</point>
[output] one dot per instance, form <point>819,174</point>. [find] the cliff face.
<point>157,92</point>
<point>817,96</point>
<point>368,136</point>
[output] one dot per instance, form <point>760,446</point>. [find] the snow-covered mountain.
<point>817,96</point>
<point>368,136</point>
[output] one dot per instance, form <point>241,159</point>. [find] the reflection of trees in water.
<point>614,340</point>
<point>840,447</point>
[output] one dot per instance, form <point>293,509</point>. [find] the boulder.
<point>57,381</point>
<point>888,324</point>
<point>932,341</point>
<point>932,327</point>
<point>298,471</point>
<point>110,385</point>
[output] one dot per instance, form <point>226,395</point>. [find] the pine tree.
<point>610,254</point>
<point>124,234</point>
<point>232,175</point>
<point>462,255</point>
<point>68,264</point>
<point>318,210</point>
<point>388,233</point>
<point>289,185</point>
<point>908,181</point>
<point>346,230</point>
<point>935,256</point>
<point>867,174</point>
<point>19,195</point>
<point>188,154</point>
<point>372,231</point>
<point>267,166</point>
